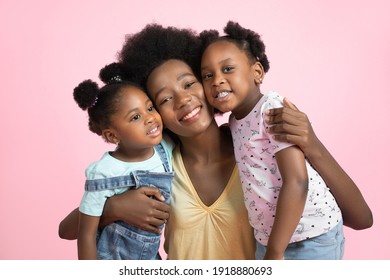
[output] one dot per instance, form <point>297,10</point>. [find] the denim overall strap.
<point>109,183</point>
<point>163,155</point>
<point>123,181</point>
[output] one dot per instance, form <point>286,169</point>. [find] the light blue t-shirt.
<point>92,203</point>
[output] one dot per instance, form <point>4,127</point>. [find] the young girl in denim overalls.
<point>123,115</point>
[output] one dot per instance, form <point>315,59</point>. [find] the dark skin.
<point>147,211</point>
<point>294,127</point>
<point>223,165</point>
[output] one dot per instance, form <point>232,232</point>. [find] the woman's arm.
<point>142,208</point>
<point>294,127</point>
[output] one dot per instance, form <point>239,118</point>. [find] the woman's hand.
<point>292,126</point>
<point>143,208</point>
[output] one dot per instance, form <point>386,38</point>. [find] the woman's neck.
<point>211,145</point>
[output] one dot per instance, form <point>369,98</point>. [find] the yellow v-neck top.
<point>198,232</point>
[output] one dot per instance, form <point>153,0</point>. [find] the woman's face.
<point>179,98</point>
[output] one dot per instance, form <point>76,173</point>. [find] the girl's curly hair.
<point>245,39</point>
<point>101,103</point>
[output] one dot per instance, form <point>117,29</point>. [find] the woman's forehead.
<point>175,66</point>
<point>169,72</point>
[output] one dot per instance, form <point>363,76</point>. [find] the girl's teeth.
<point>222,94</point>
<point>153,130</point>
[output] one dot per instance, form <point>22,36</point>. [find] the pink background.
<point>332,58</point>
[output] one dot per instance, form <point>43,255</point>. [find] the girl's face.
<point>179,98</point>
<point>230,80</point>
<point>136,125</point>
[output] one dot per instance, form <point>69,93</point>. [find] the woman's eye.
<point>188,85</point>
<point>165,100</point>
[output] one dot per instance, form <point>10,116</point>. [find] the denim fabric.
<point>328,246</point>
<point>121,241</point>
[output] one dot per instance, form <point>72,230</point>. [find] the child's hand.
<point>273,256</point>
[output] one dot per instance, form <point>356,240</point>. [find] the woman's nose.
<point>183,99</point>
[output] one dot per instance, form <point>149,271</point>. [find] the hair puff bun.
<point>85,94</point>
<point>112,73</point>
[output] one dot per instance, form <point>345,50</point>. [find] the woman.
<point>164,60</point>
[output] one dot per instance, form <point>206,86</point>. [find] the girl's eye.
<point>206,76</point>
<point>228,69</point>
<point>135,117</point>
<point>151,108</point>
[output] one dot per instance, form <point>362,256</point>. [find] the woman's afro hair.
<point>154,45</point>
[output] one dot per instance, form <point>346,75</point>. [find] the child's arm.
<point>294,127</point>
<point>291,200</point>
<point>86,242</point>
<point>68,228</point>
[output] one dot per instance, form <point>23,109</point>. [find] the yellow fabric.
<point>195,231</point>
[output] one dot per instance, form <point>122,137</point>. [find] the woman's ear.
<point>110,136</point>
<point>258,73</point>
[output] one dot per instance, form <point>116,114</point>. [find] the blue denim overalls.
<point>121,241</point>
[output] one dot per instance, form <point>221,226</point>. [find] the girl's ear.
<point>258,71</point>
<point>110,136</point>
